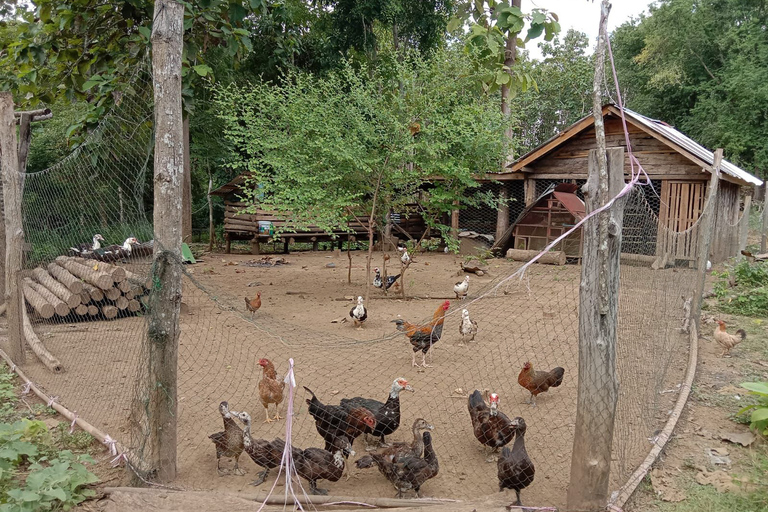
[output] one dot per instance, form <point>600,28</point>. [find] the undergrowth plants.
<point>742,289</point>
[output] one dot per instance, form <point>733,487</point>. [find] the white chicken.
<point>358,313</point>
<point>461,288</point>
<point>405,258</point>
<point>467,327</point>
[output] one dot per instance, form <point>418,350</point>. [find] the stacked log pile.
<point>76,287</point>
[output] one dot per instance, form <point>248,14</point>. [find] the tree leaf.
<point>202,69</point>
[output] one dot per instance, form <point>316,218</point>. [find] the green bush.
<point>743,289</point>
<point>54,480</point>
<point>759,417</point>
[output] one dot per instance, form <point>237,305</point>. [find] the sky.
<point>584,16</point>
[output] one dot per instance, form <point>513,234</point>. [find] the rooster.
<point>423,337</point>
<point>467,327</point>
<point>461,288</point>
<point>390,280</point>
<point>270,389</point>
<point>728,341</point>
<point>537,381</point>
<point>359,313</point>
<point>253,304</point>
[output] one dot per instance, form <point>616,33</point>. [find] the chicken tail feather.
<point>476,400</point>
<point>742,333</point>
<point>558,373</point>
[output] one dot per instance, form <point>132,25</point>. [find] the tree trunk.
<point>14,233</point>
<point>510,55</point>
<point>211,228</point>
<point>371,223</point>
<point>349,257</point>
<point>186,198</point>
<point>155,409</point>
<point>502,213</point>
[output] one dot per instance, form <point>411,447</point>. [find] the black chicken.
<point>379,284</point>
<point>515,467</point>
<point>491,427</point>
<point>229,443</point>
<point>267,454</point>
<point>315,464</point>
<point>398,450</point>
<point>410,472</point>
<point>387,414</point>
<point>334,421</point>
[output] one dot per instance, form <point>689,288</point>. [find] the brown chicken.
<point>398,450</point>
<point>728,341</point>
<point>229,443</point>
<point>537,381</point>
<point>266,454</point>
<point>253,304</point>
<point>491,427</point>
<point>515,468</point>
<point>422,337</point>
<point>270,389</point>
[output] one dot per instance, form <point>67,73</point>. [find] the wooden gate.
<point>681,206</point>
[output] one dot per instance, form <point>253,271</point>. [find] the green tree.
<point>701,65</point>
<point>361,141</point>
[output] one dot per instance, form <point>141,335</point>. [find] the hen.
<point>359,313</point>
<point>515,468</point>
<point>85,247</point>
<point>467,327</point>
<point>538,382</point>
<point>270,389</point>
<point>378,283</point>
<point>398,450</point>
<point>491,427</point>
<point>461,288</point>
<point>253,304</point>
<point>315,464</point>
<point>728,341</point>
<point>334,421</point>
<point>411,471</point>
<point>423,337</point>
<point>229,443</point>
<point>387,414</point>
<point>264,453</point>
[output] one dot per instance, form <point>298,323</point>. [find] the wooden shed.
<point>549,216</point>
<point>245,226</point>
<point>679,169</point>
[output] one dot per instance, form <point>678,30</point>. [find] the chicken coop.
<point>551,215</point>
<point>679,170</point>
<point>264,225</point>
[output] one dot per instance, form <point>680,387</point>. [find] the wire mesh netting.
<point>304,314</point>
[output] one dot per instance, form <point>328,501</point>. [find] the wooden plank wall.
<point>659,160</point>
<point>725,235</point>
<point>681,206</point>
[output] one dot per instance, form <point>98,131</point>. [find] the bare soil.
<point>535,319</point>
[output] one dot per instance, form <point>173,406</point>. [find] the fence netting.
<point>525,321</point>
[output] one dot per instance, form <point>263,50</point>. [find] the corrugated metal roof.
<point>691,146</point>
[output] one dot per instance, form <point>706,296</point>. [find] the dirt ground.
<point>534,319</point>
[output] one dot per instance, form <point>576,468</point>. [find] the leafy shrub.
<point>749,296</point>
<point>7,395</point>
<point>759,417</point>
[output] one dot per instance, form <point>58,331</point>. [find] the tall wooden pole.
<point>186,201</point>
<point>163,331</point>
<point>764,220</point>
<point>14,233</point>
<point>211,228</point>
<point>598,387</point>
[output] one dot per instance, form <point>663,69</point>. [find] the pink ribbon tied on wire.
<point>116,461</point>
<point>26,388</point>
<point>52,400</point>
<point>111,444</point>
<point>72,425</point>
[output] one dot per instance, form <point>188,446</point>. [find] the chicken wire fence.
<point>522,317</point>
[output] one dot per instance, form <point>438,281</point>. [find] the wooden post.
<point>529,187</point>
<point>155,409</point>
<point>744,227</point>
<point>706,225</point>
<point>14,234</point>
<point>455,221</point>
<point>598,315</point>
<point>502,214</point>
<point>598,312</point>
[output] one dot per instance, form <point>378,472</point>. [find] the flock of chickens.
<point>406,465</point>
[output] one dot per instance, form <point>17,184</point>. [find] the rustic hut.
<point>679,169</point>
<point>263,224</point>
<point>549,216</point>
